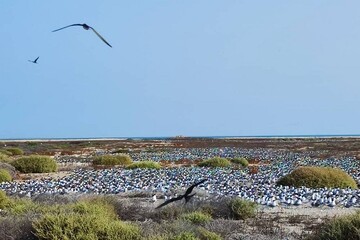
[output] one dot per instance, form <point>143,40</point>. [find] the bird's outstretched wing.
<point>188,191</point>
<point>77,24</point>
<point>188,197</point>
<point>101,37</point>
<point>169,201</point>
<point>35,61</point>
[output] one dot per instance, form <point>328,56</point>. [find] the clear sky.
<point>185,67</point>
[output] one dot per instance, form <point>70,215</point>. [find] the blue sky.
<point>194,68</point>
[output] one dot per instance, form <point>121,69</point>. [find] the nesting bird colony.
<point>167,182</point>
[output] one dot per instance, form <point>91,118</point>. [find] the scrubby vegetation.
<point>85,220</point>
<point>341,228</point>
<point>5,176</point>
<point>15,151</point>
<point>144,164</point>
<point>9,168</point>
<point>197,217</point>
<point>4,200</point>
<point>208,235</point>
<point>35,164</point>
<point>112,160</point>
<point>242,209</point>
<point>317,177</point>
<point>215,162</point>
<point>6,152</point>
<point>4,158</point>
<point>241,161</point>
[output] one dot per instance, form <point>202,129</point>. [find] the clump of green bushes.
<point>215,162</point>
<point>5,176</point>
<point>35,164</point>
<point>341,228</point>
<point>4,158</point>
<point>242,209</point>
<point>4,200</point>
<point>85,220</point>
<point>197,217</point>
<point>144,164</point>
<point>5,152</point>
<point>185,236</point>
<point>241,161</point>
<point>318,177</point>
<point>15,151</point>
<point>112,160</point>
<point>208,235</point>
<point>9,168</point>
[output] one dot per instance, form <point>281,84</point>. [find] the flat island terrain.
<point>241,199</point>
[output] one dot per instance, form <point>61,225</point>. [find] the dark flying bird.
<point>35,61</point>
<point>86,27</point>
<point>186,195</point>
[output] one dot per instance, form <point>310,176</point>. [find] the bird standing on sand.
<point>86,27</point>
<point>186,195</point>
<point>35,61</point>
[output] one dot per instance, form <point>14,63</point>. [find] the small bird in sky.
<point>186,195</point>
<point>35,61</point>
<point>86,27</point>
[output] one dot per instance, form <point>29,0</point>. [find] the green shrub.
<point>185,236</point>
<point>215,162</point>
<point>242,209</point>
<point>205,234</point>
<point>6,152</point>
<point>74,226</point>
<point>87,219</point>
<point>96,206</point>
<point>144,164</point>
<point>197,217</point>
<point>341,228</point>
<point>112,160</point>
<point>35,164</point>
<point>5,176</point>
<point>4,200</point>
<point>4,158</point>
<point>242,161</point>
<point>15,151</point>
<point>20,206</point>
<point>318,177</point>
<point>9,168</point>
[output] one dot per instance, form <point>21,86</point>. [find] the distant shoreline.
<point>178,137</point>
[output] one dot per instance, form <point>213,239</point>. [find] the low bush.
<point>4,158</point>
<point>15,151</point>
<point>112,160</point>
<point>242,209</point>
<point>197,217</point>
<point>4,200</point>
<point>79,226</point>
<point>185,236</point>
<point>87,219</point>
<point>144,164</point>
<point>6,152</point>
<point>20,206</point>
<point>9,168</point>
<point>205,234</point>
<point>35,164</point>
<point>96,206</point>
<point>318,177</point>
<point>215,162</point>
<point>241,161</point>
<point>5,176</point>
<point>341,228</point>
